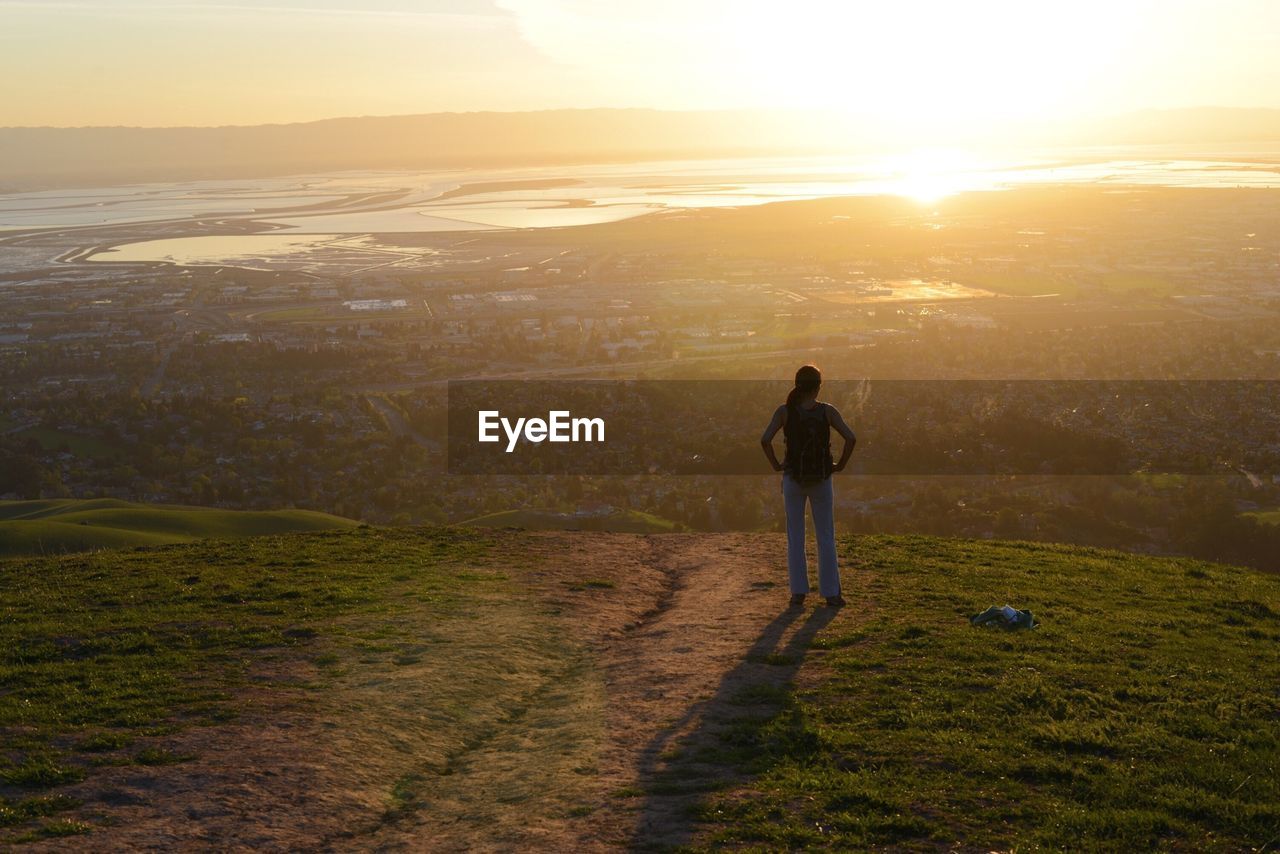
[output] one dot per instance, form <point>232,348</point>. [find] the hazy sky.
<point>149,62</point>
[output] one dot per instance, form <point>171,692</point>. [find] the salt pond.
<point>305,215</point>
<point>240,249</point>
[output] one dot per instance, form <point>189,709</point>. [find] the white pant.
<point>821,501</point>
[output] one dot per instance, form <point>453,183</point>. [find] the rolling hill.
<point>42,157</point>
<point>56,526</point>
<point>367,689</point>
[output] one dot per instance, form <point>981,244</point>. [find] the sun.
<point>932,70</point>
<point>928,175</point>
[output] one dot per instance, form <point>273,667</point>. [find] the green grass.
<point>160,756</point>
<point>590,584</point>
<point>39,771</point>
<point>1266,517</point>
<point>1021,284</point>
<point>1035,284</point>
<point>107,658</point>
<point>1123,282</point>
<point>22,811</point>
<point>59,526</point>
<point>100,650</point>
<point>1142,714</point>
<point>625,521</point>
<point>103,646</point>
<point>1162,480</point>
<point>62,827</point>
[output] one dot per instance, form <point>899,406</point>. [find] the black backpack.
<point>808,436</point>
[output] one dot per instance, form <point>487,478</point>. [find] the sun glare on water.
<point>930,175</point>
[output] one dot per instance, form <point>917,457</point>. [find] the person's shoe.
<point>797,600</point>
<point>836,601</point>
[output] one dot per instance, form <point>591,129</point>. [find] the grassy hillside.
<point>58,526</point>
<point>1268,517</point>
<point>1143,713</point>
<point>108,659</point>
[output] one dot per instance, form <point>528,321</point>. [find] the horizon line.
<point>815,111</point>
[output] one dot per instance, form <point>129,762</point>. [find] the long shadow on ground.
<point>710,745</point>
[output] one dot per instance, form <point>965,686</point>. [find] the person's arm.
<point>837,423</point>
<point>766,441</point>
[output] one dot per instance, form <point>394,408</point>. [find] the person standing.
<point>806,467</point>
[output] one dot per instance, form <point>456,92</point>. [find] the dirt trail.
<point>674,679</point>
<point>694,620</point>
<point>600,753</point>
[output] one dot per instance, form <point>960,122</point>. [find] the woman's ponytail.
<point>791,398</point>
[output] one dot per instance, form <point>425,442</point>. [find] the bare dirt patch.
<point>566,718</point>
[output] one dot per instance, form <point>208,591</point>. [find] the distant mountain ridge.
<point>33,158</point>
<point>45,157</point>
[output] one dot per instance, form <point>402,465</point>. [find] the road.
<point>397,424</point>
